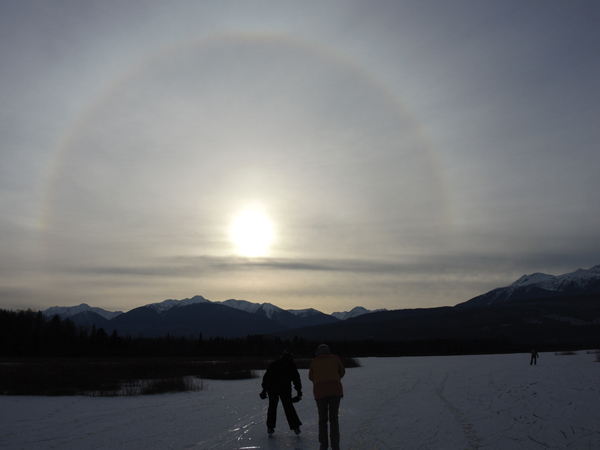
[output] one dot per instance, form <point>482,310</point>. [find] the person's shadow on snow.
<point>281,442</point>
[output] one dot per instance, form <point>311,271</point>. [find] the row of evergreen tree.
<point>30,334</point>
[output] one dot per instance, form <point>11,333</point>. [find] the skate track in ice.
<point>430,403</point>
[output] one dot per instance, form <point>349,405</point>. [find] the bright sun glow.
<point>252,233</point>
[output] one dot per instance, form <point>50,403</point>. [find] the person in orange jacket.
<point>326,371</point>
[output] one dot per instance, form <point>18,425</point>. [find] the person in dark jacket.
<point>534,357</point>
<point>277,384</point>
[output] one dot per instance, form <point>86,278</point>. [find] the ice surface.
<point>454,403</point>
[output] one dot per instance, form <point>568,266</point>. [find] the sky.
<point>325,155</point>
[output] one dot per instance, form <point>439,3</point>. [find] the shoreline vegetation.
<point>112,377</point>
<point>40,356</point>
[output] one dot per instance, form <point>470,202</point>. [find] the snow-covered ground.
<point>458,402</point>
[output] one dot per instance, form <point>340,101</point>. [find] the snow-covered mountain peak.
<point>242,305</point>
<point>267,308</point>
<point>594,272</point>
<point>303,312</point>
<point>354,312</point>
<point>168,304</point>
<point>270,309</point>
<point>70,311</point>
<point>540,285</point>
<point>534,278</point>
<point>580,278</point>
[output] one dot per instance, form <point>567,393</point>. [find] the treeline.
<point>30,334</point>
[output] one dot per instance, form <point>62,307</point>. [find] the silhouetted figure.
<point>326,371</point>
<point>277,384</point>
<point>534,357</point>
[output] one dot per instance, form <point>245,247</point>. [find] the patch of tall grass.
<point>113,377</point>
<point>126,376</point>
<point>152,387</point>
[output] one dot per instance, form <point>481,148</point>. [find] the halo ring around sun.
<point>157,181</point>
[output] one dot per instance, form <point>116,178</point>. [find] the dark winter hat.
<point>287,355</point>
<point>323,350</point>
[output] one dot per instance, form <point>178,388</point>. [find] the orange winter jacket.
<point>325,372</point>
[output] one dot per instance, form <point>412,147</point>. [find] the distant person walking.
<point>534,357</point>
<point>277,384</point>
<point>326,371</point>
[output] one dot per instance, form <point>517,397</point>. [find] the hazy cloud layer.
<point>408,154</point>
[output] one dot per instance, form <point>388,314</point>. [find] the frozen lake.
<point>453,402</point>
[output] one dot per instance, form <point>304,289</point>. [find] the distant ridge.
<point>192,319</point>
<point>290,317</point>
<point>168,304</point>
<point>537,310</point>
<point>70,311</point>
<point>354,312</point>
<point>234,318</point>
<point>541,285</point>
<point>534,307</point>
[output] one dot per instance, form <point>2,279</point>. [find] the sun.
<point>252,232</point>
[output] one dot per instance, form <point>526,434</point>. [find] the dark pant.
<point>288,408</point>
<point>328,412</point>
<point>533,360</point>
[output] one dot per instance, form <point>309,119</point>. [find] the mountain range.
<point>536,309</point>
<point>192,316</point>
<point>534,306</point>
<point>541,285</point>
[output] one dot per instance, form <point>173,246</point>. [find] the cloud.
<point>405,154</point>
